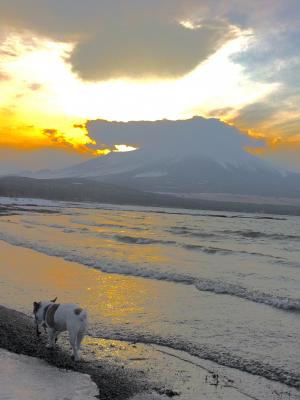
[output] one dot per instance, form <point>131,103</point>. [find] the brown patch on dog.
<point>50,315</point>
<point>77,311</point>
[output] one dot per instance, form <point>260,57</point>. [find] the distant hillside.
<point>79,190</point>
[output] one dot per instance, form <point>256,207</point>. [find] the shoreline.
<point>124,376</point>
<point>121,368</point>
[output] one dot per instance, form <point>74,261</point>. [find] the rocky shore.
<point>17,335</point>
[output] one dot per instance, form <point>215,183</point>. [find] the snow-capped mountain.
<point>196,155</point>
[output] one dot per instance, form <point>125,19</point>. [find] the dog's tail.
<point>83,316</point>
<point>80,313</point>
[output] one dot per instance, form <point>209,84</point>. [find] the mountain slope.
<point>196,155</point>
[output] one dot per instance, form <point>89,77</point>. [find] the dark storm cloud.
<point>131,37</point>
<point>122,39</point>
<point>147,49</point>
<point>144,38</point>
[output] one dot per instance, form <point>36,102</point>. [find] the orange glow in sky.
<point>44,103</point>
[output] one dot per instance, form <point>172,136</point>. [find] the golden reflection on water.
<point>27,276</point>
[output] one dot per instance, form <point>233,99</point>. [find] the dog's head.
<point>38,310</point>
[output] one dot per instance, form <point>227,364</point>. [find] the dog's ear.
<point>54,300</point>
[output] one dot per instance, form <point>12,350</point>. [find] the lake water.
<point>222,286</point>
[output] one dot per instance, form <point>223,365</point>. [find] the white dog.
<point>56,318</point>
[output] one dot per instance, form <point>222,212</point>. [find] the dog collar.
<point>45,312</point>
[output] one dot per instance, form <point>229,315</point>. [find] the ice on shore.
<point>29,378</point>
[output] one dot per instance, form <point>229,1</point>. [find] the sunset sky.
<point>65,62</point>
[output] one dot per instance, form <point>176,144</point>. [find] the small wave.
<point>31,222</point>
<point>218,250</point>
<point>220,287</point>
<point>184,231</point>
<point>98,225</point>
<point>68,230</point>
<point>55,226</point>
<point>208,249</point>
<point>209,215</point>
<point>259,234</point>
<point>47,225</point>
<point>104,225</point>
<point>208,285</point>
<point>250,234</point>
<point>266,217</point>
<point>141,240</point>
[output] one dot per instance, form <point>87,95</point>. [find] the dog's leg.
<point>37,329</point>
<point>51,338</point>
<point>56,336</point>
<point>73,342</point>
<point>80,336</point>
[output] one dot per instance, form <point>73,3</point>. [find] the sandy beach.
<point>120,369</point>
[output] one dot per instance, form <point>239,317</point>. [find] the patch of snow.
<point>29,378</point>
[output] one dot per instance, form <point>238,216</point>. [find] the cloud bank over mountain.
<point>198,136</point>
<point>193,156</point>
